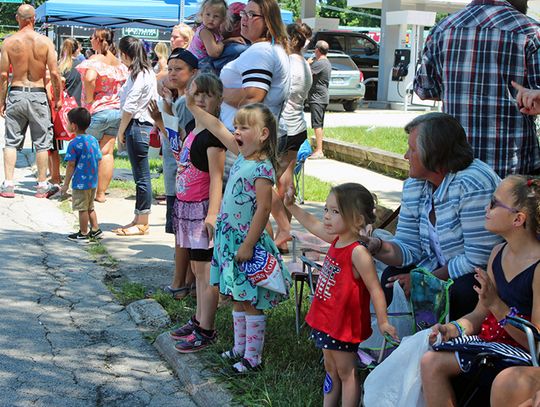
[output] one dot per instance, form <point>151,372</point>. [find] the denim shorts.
<point>104,122</point>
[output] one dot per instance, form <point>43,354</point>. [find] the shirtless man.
<point>29,54</point>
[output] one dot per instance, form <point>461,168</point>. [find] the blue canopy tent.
<point>121,13</point>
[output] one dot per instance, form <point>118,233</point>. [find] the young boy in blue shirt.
<point>83,155</point>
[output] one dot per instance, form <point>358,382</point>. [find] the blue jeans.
<point>137,142</point>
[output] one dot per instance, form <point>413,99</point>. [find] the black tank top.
<point>518,292</point>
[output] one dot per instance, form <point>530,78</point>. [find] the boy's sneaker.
<point>195,342</point>
<point>78,237</point>
<point>7,191</point>
<point>185,330</point>
<point>95,234</point>
<point>47,191</point>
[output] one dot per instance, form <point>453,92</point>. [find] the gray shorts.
<point>317,115</point>
<point>25,109</point>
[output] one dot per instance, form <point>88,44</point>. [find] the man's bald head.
<point>26,12</point>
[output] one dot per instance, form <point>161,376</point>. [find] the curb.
<point>366,157</point>
<point>200,384</point>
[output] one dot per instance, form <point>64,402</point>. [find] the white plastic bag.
<point>396,382</point>
<point>399,315</point>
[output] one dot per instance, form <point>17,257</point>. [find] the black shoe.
<point>78,237</point>
<point>95,234</point>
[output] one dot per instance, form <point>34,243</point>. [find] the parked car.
<point>346,86</point>
<point>362,49</point>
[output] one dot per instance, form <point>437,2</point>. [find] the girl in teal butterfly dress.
<point>244,213</point>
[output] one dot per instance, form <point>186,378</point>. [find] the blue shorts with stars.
<point>325,341</point>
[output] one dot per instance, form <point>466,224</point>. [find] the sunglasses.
<point>494,202</point>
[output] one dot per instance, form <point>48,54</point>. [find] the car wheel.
<point>350,105</point>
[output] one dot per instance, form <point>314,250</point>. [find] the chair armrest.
<point>521,323</point>
<point>310,265</point>
<point>533,336</point>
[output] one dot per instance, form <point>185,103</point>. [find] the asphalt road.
<point>64,341</point>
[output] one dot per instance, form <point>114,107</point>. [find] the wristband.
<point>512,313</point>
<point>459,327</point>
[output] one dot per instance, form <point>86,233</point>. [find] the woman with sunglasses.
<point>102,77</point>
<point>510,287</point>
<point>441,221</point>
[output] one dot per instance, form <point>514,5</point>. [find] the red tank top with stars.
<point>340,305</point>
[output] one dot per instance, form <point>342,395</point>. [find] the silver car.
<point>346,81</point>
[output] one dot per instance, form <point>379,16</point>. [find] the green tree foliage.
<point>350,19</point>
<point>8,10</point>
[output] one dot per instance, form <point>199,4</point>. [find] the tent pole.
<point>181,16</point>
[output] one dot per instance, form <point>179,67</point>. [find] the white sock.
<point>255,328</point>
<point>43,184</point>
<point>9,183</point>
<point>239,321</point>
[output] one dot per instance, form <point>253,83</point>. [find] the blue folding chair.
<point>303,153</point>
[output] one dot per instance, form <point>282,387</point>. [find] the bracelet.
<point>459,327</point>
<point>376,251</point>
<point>512,313</point>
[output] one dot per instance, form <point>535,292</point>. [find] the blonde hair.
<point>69,47</point>
<point>162,50</point>
<point>260,116</point>
<point>275,29</point>
<point>185,31</point>
<point>220,4</point>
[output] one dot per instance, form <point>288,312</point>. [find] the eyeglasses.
<point>250,15</point>
<point>495,202</point>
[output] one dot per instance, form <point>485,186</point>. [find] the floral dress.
<point>233,223</point>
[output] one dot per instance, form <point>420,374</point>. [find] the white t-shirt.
<point>263,66</point>
<point>301,81</point>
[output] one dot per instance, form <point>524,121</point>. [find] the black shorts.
<point>170,213</point>
<point>291,143</point>
<point>200,254</point>
<point>57,145</point>
<point>325,341</point>
<point>317,115</point>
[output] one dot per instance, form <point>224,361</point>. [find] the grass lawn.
<point>292,374</point>
<point>384,138</point>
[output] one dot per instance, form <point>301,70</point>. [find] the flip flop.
<point>135,230</point>
<point>317,156</point>
<point>117,230</point>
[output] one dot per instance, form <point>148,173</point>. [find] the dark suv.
<point>360,47</point>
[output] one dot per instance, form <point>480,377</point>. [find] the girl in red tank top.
<point>340,315</point>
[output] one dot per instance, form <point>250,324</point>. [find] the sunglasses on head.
<point>494,202</point>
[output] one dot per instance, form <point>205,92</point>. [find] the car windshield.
<point>342,63</point>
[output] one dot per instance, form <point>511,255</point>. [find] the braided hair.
<point>526,192</point>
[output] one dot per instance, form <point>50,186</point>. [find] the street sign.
<point>146,33</point>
